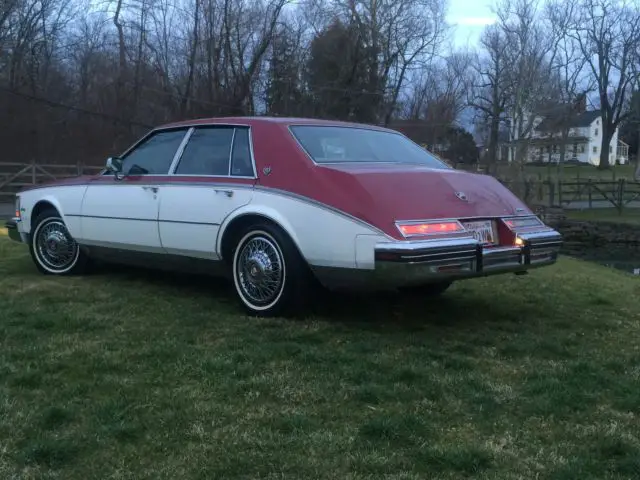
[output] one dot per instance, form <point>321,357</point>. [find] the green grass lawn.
<point>628,215</point>
<point>131,374</point>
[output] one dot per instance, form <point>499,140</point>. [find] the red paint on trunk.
<point>380,194</point>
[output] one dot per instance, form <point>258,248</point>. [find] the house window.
<point>555,149</point>
<point>596,132</point>
<point>595,149</point>
<point>581,148</point>
<point>575,149</point>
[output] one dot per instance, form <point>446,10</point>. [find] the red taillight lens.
<point>525,222</point>
<point>412,229</point>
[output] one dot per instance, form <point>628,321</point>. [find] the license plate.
<point>482,231</point>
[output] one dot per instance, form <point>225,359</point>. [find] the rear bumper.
<point>406,263</point>
<point>14,232</point>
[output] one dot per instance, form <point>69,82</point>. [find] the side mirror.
<point>114,165</point>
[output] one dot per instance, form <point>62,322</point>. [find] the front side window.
<point>154,155</point>
<point>334,144</point>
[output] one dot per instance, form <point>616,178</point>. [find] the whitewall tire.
<point>53,249</point>
<point>269,274</point>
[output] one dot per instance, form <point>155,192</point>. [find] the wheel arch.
<point>233,225</point>
<point>41,205</point>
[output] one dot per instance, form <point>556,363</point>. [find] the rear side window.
<point>208,152</point>
<point>241,164</point>
<point>154,155</point>
<point>217,151</point>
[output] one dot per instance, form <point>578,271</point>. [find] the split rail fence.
<point>16,176</point>
<point>577,193</point>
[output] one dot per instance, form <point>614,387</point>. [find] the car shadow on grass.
<point>379,310</point>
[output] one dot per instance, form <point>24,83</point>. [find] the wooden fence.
<point>15,176</point>
<point>576,193</point>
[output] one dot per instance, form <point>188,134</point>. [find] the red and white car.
<point>278,203</point>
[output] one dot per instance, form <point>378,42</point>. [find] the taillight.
<point>430,228</point>
<point>17,217</point>
<point>524,222</point>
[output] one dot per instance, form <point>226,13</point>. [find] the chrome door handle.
<point>228,193</point>
<point>153,189</point>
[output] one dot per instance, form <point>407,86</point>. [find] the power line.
<point>73,108</point>
<point>400,125</point>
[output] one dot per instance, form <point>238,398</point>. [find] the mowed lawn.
<point>628,215</point>
<point>131,374</point>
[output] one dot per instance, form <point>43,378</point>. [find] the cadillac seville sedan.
<point>282,206</point>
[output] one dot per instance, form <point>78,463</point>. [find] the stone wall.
<point>581,236</point>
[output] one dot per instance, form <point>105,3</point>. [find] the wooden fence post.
<point>560,192</point>
<point>589,192</point>
<point>621,188</point>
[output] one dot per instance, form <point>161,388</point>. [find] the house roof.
<point>554,122</point>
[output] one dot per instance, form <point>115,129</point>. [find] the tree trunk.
<point>604,149</point>
<point>563,152</point>
<point>493,145</point>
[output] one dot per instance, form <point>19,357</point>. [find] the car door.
<point>214,175</point>
<point>124,213</point>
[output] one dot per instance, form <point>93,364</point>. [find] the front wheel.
<point>269,274</point>
<point>53,249</point>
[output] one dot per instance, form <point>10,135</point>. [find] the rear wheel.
<point>53,249</point>
<point>269,274</point>
<point>428,290</point>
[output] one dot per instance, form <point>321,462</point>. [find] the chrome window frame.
<point>190,129</point>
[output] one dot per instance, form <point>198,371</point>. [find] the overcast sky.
<point>469,18</point>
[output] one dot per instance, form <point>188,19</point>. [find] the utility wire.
<point>73,108</point>
<point>398,124</point>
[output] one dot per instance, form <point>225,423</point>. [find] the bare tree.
<point>607,33</point>
<point>399,36</point>
<point>491,86</point>
<point>446,82</point>
<point>574,81</point>
<point>530,52</point>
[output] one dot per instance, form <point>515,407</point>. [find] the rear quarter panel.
<point>324,237</point>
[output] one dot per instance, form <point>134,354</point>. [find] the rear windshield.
<point>349,145</point>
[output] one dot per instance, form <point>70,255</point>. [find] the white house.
<point>583,143</point>
<point>584,139</point>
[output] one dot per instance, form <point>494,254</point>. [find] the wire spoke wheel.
<point>56,250</point>
<point>260,271</point>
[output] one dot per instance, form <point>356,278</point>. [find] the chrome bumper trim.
<point>415,262</point>
<point>14,233</point>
